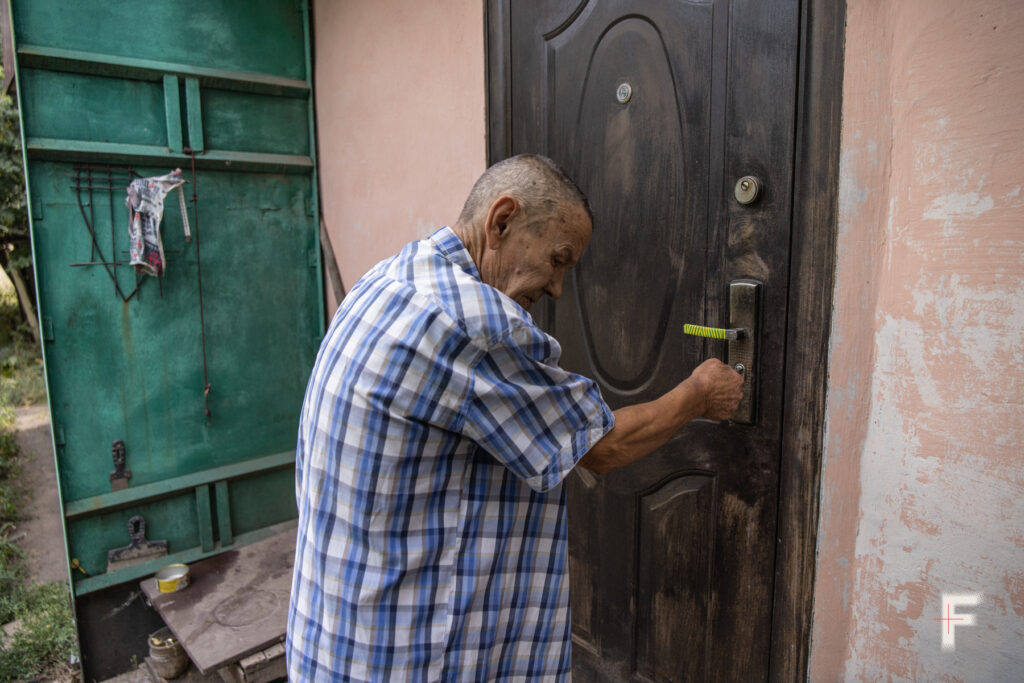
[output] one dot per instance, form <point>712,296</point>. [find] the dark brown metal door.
<point>657,109</point>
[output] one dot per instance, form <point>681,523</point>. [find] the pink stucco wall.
<point>400,120</point>
<point>922,483</point>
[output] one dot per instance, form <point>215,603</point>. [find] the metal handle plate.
<point>744,313</point>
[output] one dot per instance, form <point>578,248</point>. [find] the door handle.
<point>742,338</point>
<point>730,333</point>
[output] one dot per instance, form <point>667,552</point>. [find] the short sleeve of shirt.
<point>534,417</point>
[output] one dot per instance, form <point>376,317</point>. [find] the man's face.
<point>530,261</point>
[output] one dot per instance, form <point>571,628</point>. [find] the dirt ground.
<point>43,539</point>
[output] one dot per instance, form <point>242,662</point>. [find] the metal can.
<point>173,577</point>
<point>166,656</point>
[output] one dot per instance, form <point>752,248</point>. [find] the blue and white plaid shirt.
<point>435,433</point>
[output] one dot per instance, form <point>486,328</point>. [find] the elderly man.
<point>436,431</point>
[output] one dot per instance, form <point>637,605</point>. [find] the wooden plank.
<point>498,55</point>
<point>266,666</point>
<point>172,109</point>
<point>235,605</point>
<point>80,150</point>
<point>223,513</point>
<point>315,199</point>
<point>90,584</point>
<point>262,667</point>
<point>116,499</point>
<point>204,515</point>
<point>77,61</point>
<point>195,115</point>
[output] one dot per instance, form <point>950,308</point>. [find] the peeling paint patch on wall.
<point>930,275</point>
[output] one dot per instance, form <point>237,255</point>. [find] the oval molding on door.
<point>625,299</point>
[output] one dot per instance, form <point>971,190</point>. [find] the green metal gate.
<point>112,90</point>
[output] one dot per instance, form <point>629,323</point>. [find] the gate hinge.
<point>314,258</point>
<point>47,324</point>
<point>37,209</point>
<point>58,435</point>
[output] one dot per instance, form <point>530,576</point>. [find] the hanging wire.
<point>199,276</point>
<point>88,186</point>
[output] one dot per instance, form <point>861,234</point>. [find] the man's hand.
<point>721,387</point>
<point>713,391</point>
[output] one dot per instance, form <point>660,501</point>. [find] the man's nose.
<point>554,288</point>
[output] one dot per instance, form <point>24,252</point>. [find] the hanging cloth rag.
<point>145,204</point>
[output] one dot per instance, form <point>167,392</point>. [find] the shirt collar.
<point>451,247</point>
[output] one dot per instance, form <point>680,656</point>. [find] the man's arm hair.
<point>712,391</point>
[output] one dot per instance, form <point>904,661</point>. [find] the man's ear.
<point>496,224</point>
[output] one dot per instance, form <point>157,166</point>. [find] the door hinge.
<point>37,209</point>
<point>58,435</point>
<point>47,324</point>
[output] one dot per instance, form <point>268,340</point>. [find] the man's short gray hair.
<point>541,186</point>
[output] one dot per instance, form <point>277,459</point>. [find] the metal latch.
<point>120,476</point>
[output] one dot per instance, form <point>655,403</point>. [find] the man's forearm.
<point>642,428</point>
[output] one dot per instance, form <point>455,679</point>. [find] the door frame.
<point>809,308</point>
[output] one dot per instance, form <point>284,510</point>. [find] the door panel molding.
<point>674,615</point>
<point>812,254</point>
<point>570,17</point>
<point>625,363</point>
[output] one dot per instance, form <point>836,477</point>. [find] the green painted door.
<point>200,372</point>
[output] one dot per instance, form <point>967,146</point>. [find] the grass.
<point>21,383</point>
<point>42,645</point>
<point>44,642</point>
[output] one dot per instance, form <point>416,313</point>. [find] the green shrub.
<point>21,373</point>
<point>8,466</point>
